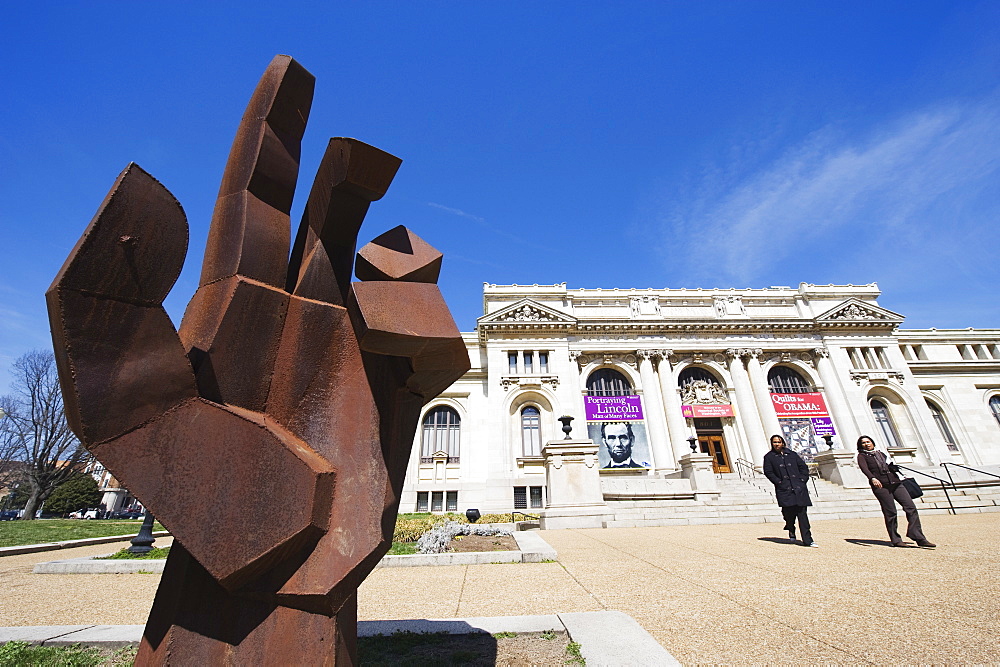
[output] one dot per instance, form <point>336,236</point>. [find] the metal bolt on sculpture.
<point>271,433</point>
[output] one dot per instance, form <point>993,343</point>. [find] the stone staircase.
<point>752,501</point>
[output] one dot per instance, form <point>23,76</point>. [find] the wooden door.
<point>715,446</point>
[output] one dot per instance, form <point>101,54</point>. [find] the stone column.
<point>757,440</point>
<point>847,429</point>
<point>762,394</point>
<point>576,391</point>
<point>654,412</point>
<point>677,429</point>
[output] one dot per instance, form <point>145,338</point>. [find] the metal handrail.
<point>522,514</point>
<point>944,485</point>
<point>744,466</point>
<point>982,472</point>
<point>748,473</point>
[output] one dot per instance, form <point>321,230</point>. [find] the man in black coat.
<point>790,475</point>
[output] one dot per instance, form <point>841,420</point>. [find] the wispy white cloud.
<point>456,211</point>
<point>897,187</point>
<point>482,222</point>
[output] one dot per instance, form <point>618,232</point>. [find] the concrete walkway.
<point>733,594</point>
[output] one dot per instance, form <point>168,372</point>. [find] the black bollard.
<point>143,542</point>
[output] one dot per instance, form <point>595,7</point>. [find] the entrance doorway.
<point>712,442</point>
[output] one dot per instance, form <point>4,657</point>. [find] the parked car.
<point>127,514</point>
<point>9,515</point>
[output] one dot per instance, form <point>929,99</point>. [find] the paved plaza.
<point>735,593</point>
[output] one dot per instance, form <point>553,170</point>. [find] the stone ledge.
<point>68,544</point>
<point>532,549</point>
<point>87,565</point>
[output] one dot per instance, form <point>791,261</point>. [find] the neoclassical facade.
<point>712,370</point>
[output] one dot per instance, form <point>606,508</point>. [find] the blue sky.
<point>626,144</point>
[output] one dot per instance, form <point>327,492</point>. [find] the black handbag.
<point>912,487</point>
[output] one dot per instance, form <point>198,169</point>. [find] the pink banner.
<point>692,411</point>
<point>612,408</point>
<point>799,405</point>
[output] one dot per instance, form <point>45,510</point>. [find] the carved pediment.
<point>855,312</point>
<point>527,311</point>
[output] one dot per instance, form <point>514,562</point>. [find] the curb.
<point>605,637</point>
<point>68,544</point>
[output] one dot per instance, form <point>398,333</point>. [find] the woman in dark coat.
<point>889,490</point>
<point>789,474</point>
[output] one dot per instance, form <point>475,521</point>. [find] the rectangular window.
<point>543,362</point>
<point>536,496</point>
<point>437,501</point>
<point>512,363</point>
<point>529,362</point>
<point>421,501</point>
<point>520,498</point>
<point>452,501</point>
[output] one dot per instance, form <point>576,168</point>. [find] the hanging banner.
<point>823,426</point>
<point>692,411</point>
<point>799,405</point>
<point>612,408</point>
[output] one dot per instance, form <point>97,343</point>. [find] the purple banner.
<point>612,408</point>
<point>823,426</point>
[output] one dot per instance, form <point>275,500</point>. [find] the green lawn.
<point>17,533</point>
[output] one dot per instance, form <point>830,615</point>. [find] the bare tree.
<point>35,428</point>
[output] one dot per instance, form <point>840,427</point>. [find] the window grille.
<point>785,380</point>
<point>694,374</point>
<point>608,382</point>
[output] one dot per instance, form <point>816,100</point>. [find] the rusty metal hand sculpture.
<point>271,433</point>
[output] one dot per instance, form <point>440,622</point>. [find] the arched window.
<point>884,421</point>
<point>531,431</point>
<point>441,430</point>
<point>995,407</point>
<point>785,380</point>
<point>608,382</point>
<point>693,374</point>
<point>942,425</point>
